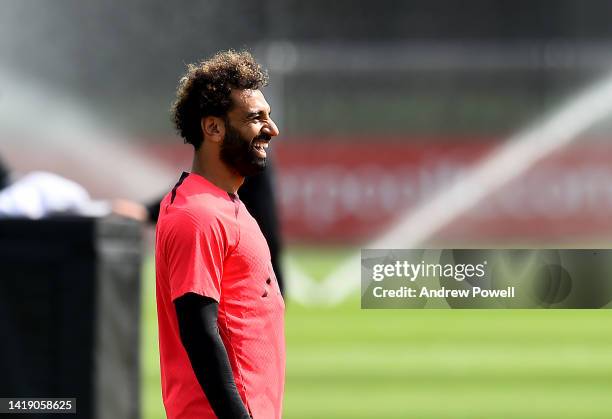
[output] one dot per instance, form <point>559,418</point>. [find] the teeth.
<point>265,145</point>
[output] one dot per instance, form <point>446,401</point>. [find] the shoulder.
<point>188,220</point>
<point>183,231</point>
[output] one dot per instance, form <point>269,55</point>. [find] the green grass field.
<point>344,362</point>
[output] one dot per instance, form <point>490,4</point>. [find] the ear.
<point>213,128</point>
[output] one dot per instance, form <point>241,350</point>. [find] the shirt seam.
<point>239,236</point>
<point>227,327</point>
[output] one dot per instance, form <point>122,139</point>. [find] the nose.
<point>271,129</point>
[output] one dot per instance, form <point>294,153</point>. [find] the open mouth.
<point>260,147</point>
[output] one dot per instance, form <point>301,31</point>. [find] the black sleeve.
<point>197,321</point>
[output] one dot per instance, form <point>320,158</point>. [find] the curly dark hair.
<point>205,90</point>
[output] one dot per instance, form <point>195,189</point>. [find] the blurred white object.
<point>39,194</point>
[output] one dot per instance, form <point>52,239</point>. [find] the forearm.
<point>197,319</point>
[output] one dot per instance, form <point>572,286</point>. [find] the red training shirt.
<point>207,243</point>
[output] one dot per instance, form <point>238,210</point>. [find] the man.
<point>220,311</point>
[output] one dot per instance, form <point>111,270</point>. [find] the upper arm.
<point>196,315</point>
<point>195,252</point>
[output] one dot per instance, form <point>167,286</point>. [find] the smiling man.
<point>220,310</point>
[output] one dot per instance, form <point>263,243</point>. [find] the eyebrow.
<point>259,113</point>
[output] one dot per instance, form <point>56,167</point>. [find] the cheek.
<point>252,131</point>
<point>249,136</point>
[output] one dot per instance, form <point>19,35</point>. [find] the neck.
<point>216,172</point>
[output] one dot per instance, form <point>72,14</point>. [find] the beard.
<point>239,153</point>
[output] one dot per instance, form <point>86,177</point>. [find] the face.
<point>248,131</point>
